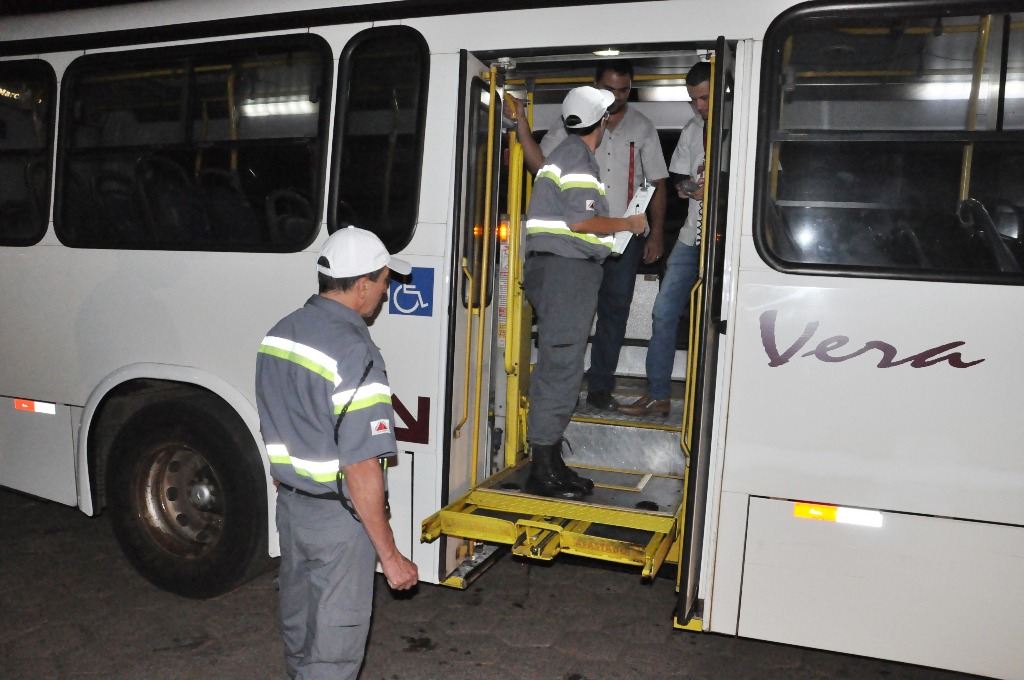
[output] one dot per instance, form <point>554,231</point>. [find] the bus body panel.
<point>541,27</point>
<point>36,449</point>
<point>82,314</point>
<point>928,590</point>
<point>839,430</point>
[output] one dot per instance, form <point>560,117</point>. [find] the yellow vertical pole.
<point>980,54</point>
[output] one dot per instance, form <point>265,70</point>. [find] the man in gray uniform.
<point>568,236</point>
<point>326,418</point>
<point>629,152</point>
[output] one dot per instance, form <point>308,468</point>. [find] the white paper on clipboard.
<point>638,204</point>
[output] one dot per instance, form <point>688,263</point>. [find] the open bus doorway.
<point>639,464</point>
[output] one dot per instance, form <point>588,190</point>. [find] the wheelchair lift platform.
<point>632,517</point>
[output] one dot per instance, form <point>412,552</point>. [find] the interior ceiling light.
<point>610,52</point>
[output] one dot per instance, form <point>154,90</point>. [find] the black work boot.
<point>546,477</point>
<point>602,400</point>
<point>569,475</point>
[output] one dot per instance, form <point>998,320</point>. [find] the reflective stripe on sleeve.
<point>303,355</point>
<point>576,180</point>
<point>364,397</point>
<point>582,181</point>
<point>551,172</point>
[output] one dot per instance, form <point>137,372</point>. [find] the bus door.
<point>474,312</point>
<point>638,464</point>
<point>706,325</point>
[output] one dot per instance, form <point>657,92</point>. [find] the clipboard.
<point>638,204</point>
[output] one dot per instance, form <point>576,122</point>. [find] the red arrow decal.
<point>417,429</point>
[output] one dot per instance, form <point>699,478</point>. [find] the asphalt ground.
<point>72,608</point>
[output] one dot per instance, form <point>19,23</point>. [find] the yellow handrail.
<point>980,53</point>
<point>470,313</point>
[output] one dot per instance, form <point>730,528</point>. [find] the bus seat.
<point>16,222</point>
<point>37,180</point>
<point>172,203</point>
<point>228,211</point>
<point>121,217</point>
<point>289,216</point>
<point>120,128</point>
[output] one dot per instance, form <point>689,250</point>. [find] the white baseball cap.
<point>354,252</point>
<point>584,106</point>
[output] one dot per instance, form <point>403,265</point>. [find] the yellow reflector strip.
<point>808,511</point>
<point>831,513</point>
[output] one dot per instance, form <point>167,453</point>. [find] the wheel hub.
<point>180,500</point>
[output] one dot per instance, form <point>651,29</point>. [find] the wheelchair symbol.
<point>414,297</point>
<point>408,299</point>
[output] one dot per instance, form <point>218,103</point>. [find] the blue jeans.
<point>613,305</point>
<point>672,301</point>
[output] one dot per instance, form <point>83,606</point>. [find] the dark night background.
<point>8,7</point>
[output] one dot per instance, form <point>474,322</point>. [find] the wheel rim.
<point>180,500</point>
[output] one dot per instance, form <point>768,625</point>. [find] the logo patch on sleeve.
<point>380,427</point>
<point>590,205</point>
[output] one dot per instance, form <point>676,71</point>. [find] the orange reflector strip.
<point>831,513</point>
<point>35,406</point>
<point>809,511</point>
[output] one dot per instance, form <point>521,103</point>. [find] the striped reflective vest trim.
<point>553,173</point>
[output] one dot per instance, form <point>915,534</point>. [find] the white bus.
<point>840,468</point>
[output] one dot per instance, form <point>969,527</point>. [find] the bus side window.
<point>876,135</point>
<point>382,106</point>
<point>180,148</point>
<point>27,93</point>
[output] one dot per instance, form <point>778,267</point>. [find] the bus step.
<point>620,446</point>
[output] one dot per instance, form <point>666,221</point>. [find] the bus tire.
<point>188,501</point>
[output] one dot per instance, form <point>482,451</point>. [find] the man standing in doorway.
<point>325,414</point>
<point>568,235</point>
<point>629,153</point>
<point>673,299</point>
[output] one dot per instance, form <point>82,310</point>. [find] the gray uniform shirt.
<point>613,156</point>
<point>567,191</point>
<point>308,369</point>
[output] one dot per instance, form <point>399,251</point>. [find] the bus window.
<point>208,147</point>
<point>880,132</point>
<point>382,105</point>
<point>27,92</point>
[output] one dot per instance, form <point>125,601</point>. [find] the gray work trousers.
<point>326,584</point>
<point>563,292</point>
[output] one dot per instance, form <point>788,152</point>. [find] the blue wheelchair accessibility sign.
<point>415,295</point>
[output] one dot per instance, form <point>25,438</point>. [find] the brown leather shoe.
<point>645,406</point>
